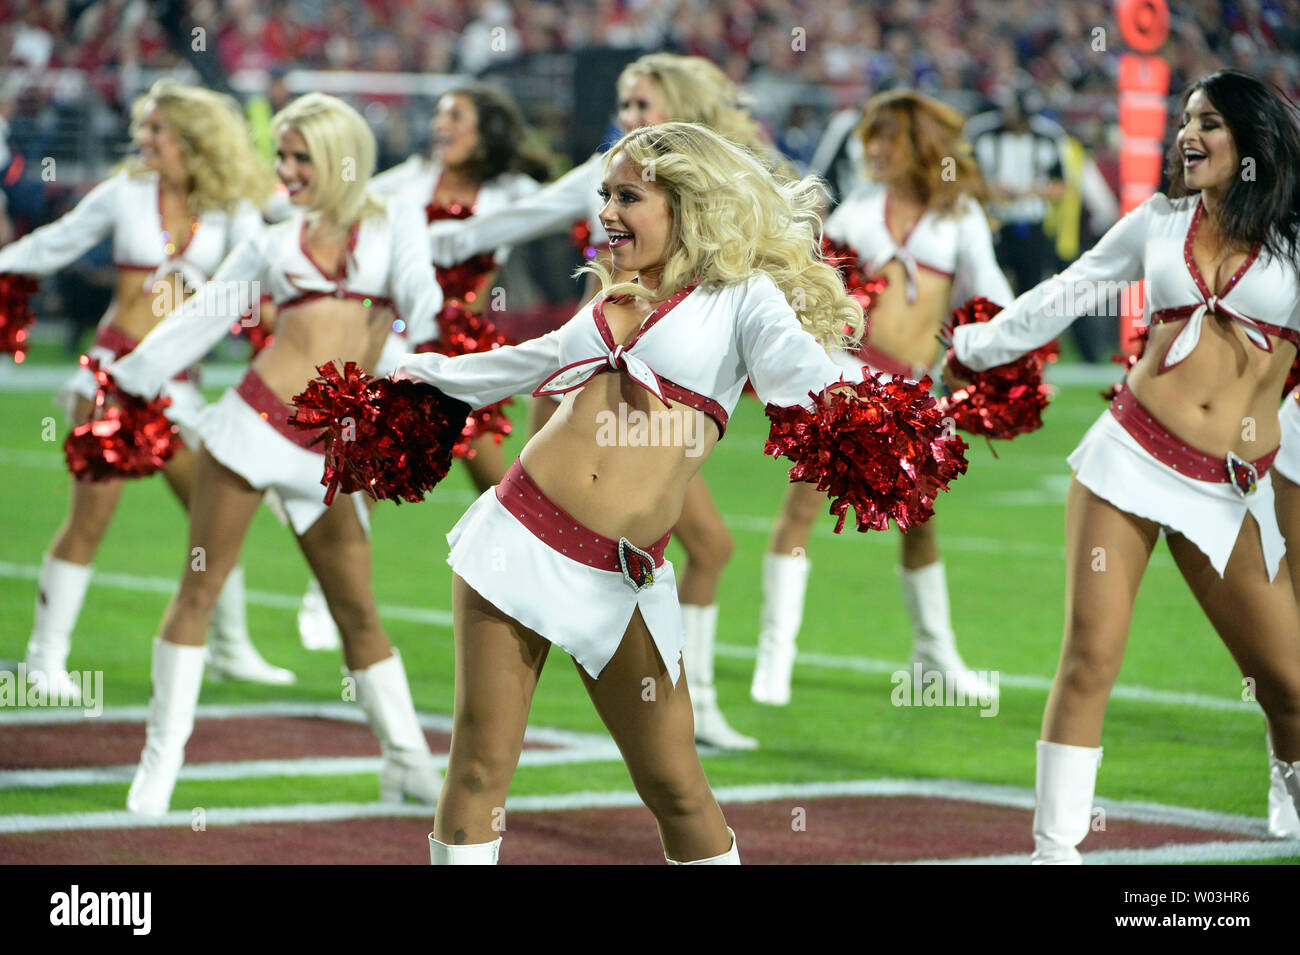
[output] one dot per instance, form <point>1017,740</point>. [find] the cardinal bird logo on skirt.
<point>1243,474</point>
<point>638,566</point>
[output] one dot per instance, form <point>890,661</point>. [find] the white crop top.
<point>1154,242</point>
<point>387,265</point>
<point>958,246</point>
<point>696,348</point>
<point>127,207</point>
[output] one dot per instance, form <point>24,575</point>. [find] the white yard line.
<point>1258,849</point>
<point>443,619</point>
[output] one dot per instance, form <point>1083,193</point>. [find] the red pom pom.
<point>463,332</point>
<point>15,313</point>
<point>866,288</point>
<point>127,438</point>
<point>884,452</point>
<point>1005,400</point>
<point>391,439</point>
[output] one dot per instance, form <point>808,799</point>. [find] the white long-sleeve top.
<point>958,246</point>
<point>1154,242</point>
<point>387,265</point>
<point>553,208</point>
<point>696,348</point>
<point>127,207</point>
<point>416,179</point>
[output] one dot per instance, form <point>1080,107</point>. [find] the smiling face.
<point>1206,145</point>
<point>160,149</point>
<point>637,217</point>
<point>641,104</point>
<point>455,130</point>
<point>294,167</point>
<point>882,157</point>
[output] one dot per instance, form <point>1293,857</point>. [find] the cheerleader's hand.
<point>955,375</point>
<point>443,236</point>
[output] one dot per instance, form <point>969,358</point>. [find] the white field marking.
<point>941,788</point>
<point>260,598</point>
<point>1161,855</point>
<point>443,619</point>
<point>269,768</point>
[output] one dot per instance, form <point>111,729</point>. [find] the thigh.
<point>1106,554</point>
<point>338,550</point>
<point>179,473</point>
<point>1257,618</point>
<point>649,718</point>
<point>1287,497</point>
<point>498,663</point>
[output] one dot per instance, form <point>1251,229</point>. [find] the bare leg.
<point>803,504</point>
<point>1259,624</point>
<point>498,661</point>
<point>222,505</point>
<point>1287,498</point>
<point>918,547</point>
<point>1106,554</point>
<point>708,545</point>
<point>656,738</point>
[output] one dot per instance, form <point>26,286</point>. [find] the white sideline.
<point>943,788</point>
<point>443,619</point>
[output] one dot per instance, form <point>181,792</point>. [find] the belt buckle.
<point>1242,475</point>
<point>638,566</point>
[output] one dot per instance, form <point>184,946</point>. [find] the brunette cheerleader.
<point>333,274</point>
<point>173,210</point>
<point>924,232</point>
<point>1220,261</point>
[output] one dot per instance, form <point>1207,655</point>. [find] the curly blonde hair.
<point>732,219</point>
<point>941,165</point>
<point>215,141</point>
<point>697,91</point>
<point>342,150</point>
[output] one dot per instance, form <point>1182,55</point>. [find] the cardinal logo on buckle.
<point>638,566</point>
<point>1242,474</point>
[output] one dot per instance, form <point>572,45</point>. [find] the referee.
<point>1019,153</point>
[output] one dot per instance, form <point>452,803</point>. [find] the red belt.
<point>550,524</point>
<point>890,365</point>
<point>259,396</point>
<point>113,339</point>
<point>1172,451</point>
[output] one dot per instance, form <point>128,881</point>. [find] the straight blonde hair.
<point>342,150</point>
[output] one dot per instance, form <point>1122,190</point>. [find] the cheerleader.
<point>332,274</point>
<point>924,231</point>
<point>1283,820</point>
<point>478,165</point>
<point>655,88</point>
<point>1187,443</point>
<point>714,245</point>
<point>173,210</point>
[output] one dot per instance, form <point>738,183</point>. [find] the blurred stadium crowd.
<point>72,67</point>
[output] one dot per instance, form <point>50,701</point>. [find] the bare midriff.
<point>312,333</point>
<point>908,331</point>
<point>598,470</point>
<point>141,301</point>
<point>1224,396</point>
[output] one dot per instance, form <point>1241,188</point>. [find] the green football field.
<point>1177,731</point>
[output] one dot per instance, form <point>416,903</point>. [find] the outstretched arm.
<point>62,242</point>
<point>1046,310</point>
<point>190,332</point>
<point>550,209</point>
